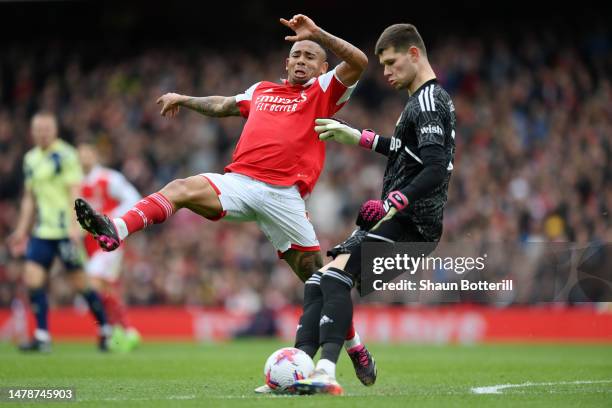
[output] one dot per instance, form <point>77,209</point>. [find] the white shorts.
<point>279,211</point>
<point>105,265</point>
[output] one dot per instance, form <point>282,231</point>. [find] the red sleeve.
<point>336,93</point>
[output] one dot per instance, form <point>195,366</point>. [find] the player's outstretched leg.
<point>194,193</point>
<point>99,225</point>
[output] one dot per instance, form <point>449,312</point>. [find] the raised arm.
<point>354,61</point>
<point>215,106</point>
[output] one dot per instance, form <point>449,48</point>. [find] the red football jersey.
<point>278,144</point>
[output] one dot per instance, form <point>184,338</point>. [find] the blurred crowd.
<point>533,162</point>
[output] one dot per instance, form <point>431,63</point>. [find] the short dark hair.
<point>401,37</point>
<point>323,52</point>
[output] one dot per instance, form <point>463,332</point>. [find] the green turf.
<point>185,374</point>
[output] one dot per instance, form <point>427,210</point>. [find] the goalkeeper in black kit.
<point>415,186</point>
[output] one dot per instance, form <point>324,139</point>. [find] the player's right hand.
<point>17,244</point>
<point>304,27</point>
<point>332,129</point>
<point>170,103</point>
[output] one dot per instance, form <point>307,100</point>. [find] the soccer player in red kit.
<point>276,163</point>
<point>109,192</point>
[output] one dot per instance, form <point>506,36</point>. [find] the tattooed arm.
<point>354,61</point>
<point>216,106</point>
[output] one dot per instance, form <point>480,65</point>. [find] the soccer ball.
<point>285,366</point>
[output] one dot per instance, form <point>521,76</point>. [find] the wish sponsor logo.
<point>430,129</point>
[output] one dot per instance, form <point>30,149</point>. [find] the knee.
<point>79,281</point>
<point>34,276</point>
<point>191,190</point>
<point>97,284</point>
<point>304,264</point>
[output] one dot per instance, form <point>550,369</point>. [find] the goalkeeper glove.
<point>373,212</point>
<point>396,200</point>
<point>370,213</point>
<point>394,203</point>
<point>341,132</point>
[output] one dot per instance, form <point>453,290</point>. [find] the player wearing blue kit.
<point>47,228</point>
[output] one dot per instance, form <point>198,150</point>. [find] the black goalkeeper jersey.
<point>427,120</point>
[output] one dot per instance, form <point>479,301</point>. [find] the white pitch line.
<point>496,389</point>
<point>182,397</point>
<point>170,397</point>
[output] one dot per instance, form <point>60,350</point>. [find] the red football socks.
<point>153,209</point>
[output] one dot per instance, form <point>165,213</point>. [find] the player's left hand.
<point>304,27</point>
<point>170,103</point>
<point>396,199</point>
<point>17,244</point>
<point>333,129</point>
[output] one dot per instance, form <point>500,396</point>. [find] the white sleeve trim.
<point>347,94</point>
<point>375,142</point>
<point>325,80</point>
<point>248,94</point>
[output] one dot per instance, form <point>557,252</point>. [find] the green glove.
<point>332,129</point>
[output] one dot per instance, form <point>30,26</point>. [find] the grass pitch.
<point>203,375</point>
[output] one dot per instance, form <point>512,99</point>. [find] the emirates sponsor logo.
<point>272,103</point>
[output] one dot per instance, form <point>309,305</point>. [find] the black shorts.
<point>44,251</point>
<point>397,229</point>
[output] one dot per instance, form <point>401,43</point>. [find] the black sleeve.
<point>433,173</point>
<point>383,145</point>
<point>431,141</point>
<point>429,127</point>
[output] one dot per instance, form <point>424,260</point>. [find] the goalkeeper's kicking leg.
<point>336,282</point>
<point>307,265</point>
<point>333,319</point>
